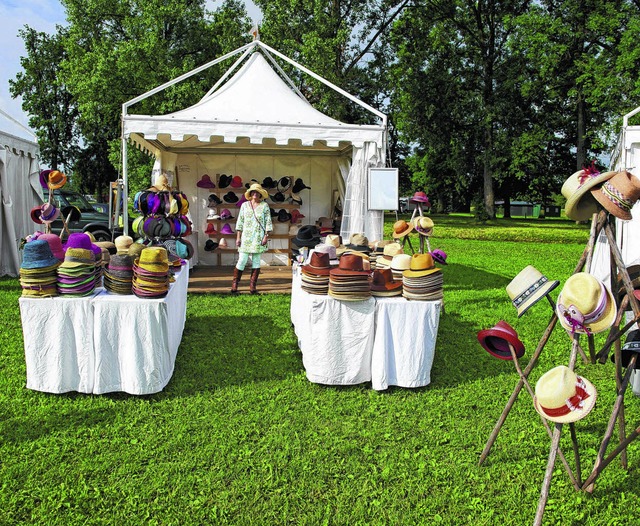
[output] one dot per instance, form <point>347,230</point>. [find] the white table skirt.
<point>105,342</point>
<point>388,341</point>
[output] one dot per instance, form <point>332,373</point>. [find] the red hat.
<point>496,341</point>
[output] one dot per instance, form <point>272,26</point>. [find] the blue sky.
<point>41,15</point>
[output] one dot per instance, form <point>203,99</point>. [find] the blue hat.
<point>37,254</point>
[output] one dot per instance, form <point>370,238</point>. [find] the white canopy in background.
<point>259,111</point>
<point>625,156</point>
<point>20,191</point>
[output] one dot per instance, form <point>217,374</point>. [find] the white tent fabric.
<point>19,192</point>
<point>258,115</point>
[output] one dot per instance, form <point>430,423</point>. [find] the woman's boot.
<point>255,272</point>
<point>237,274</point>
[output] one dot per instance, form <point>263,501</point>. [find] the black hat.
<point>253,181</point>
<point>631,347</point>
<point>210,245</point>
<point>307,236</point>
<point>284,216</point>
<point>214,200</point>
<point>225,180</point>
<point>299,185</point>
<point>268,182</point>
<point>230,197</point>
<point>273,212</point>
<point>278,197</point>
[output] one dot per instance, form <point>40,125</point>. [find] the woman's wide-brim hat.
<point>35,213</point>
<point>299,185</point>
<point>256,187</point>
<point>284,183</point>
<point>528,287</point>
<point>581,204</point>
<point>236,181</point>
<point>423,225</point>
<point>564,397</point>
<point>497,339</point>
<point>401,228</point>
<point>161,184</point>
<point>205,182</point>
<point>585,305</point>
<point>231,197</point>
<point>619,194</point>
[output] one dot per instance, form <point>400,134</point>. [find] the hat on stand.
<point>401,228</point>
<point>420,197</point>
<point>563,397</point>
<point>497,339</point>
<point>581,204</point>
<point>423,225</point>
<point>619,194</point>
<point>528,287</point>
<point>585,305</point>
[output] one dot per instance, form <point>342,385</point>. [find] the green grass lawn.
<point>239,436</point>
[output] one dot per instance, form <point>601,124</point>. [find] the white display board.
<point>383,189</point>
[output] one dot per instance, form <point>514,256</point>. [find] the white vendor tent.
<point>626,155</point>
<point>256,124</point>
<point>20,191</point>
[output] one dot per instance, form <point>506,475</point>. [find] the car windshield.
<point>65,199</point>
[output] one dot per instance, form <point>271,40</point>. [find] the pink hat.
<point>420,197</point>
<point>55,244</point>
<point>496,341</point>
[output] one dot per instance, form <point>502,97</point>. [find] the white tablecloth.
<point>103,343</point>
<point>388,341</point>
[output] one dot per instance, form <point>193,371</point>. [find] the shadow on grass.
<point>221,351</point>
<point>462,277</point>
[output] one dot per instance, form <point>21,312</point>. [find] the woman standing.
<point>253,228</point>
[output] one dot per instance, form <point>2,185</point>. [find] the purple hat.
<point>49,213</point>
<point>82,240</point>
<point>439,256</point>
<point>226,214</point>
<point>205,182</point>
<point>242,199</point>
<point>226,229</point>
<point>420,197</point>
<point>44,178</point>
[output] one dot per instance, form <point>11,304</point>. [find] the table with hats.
<point>366,313</point>
<point>103,317</point>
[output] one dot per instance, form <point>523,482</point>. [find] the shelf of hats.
<point>123,279</point>
<point>349,300</point>
<point>224,195</point>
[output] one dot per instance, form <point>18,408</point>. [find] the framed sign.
<point>383,189</point>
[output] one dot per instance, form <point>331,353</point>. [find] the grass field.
<point>239,436</point>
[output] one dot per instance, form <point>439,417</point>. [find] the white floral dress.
<point>253,224</point>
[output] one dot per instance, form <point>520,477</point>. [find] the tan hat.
<point>528,287</point>
<point>423,225</point>
<point>401,228</point>
<point>123,243</point>
<point>585,305</point>
<point>619,194</point>
<point>401,262</point>
<point>581,205</point>
<point>256,187</point>
<point>333,239</point>
<point>562,396</point>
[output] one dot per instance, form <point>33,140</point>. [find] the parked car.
<point>91,220</point>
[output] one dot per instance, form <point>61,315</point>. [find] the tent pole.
<point>125,181</point>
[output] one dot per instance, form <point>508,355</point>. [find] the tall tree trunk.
<point>581,143</point>
<point>489,197</point>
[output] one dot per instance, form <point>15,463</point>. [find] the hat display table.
<point>104,342</point>
<point>351,342</point>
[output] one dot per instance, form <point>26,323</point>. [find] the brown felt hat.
<point>619,194</point>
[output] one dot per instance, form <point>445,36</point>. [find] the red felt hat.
<point>496,341</point>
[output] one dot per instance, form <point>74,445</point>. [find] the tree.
<point>46,98</point>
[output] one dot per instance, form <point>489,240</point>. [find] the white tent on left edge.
<point>20,191</point>
<point>255,123</point>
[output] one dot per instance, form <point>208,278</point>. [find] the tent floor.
<point>217,280</point>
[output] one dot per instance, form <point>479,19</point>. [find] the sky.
<point>41,15</point>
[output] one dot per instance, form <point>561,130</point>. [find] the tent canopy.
<point>255,108</point>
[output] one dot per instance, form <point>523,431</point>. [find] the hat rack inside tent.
<point>601,222</point>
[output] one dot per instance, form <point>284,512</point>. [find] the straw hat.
<point>401,228</point>
<point>421,265</point>
<point>585,305</point>
<point>562,396</point>
<point>423,225</point>
<point>123,243</point>
<point>581,204</point>
<point>161,185</point>
<point>496,341</point>
<point>619,194</point>
<point>256,187</point>
<point>401,262</point>
<point>528,287</point>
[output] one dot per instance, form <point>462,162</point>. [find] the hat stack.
<point>399,264</point>
<point>389,251</point>
<point>82,240</point>
<point>378,250</point>
<point>151,273</point>
<point>423,280</point>
<point>77,275</point>
<point>119,274</point>
<point>38,270</point>
<point>349,282</point>
<point>315,275</point>
<point>383,285</point>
